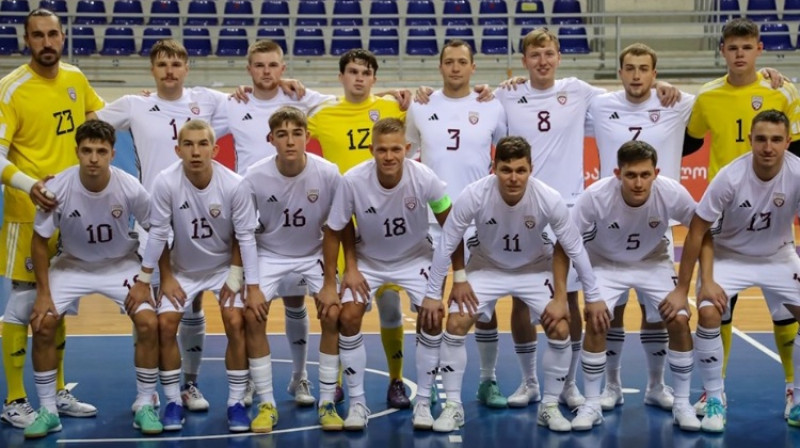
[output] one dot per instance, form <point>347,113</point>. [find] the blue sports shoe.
<point>794,416</point>
<point>238,420</point>
<point>173,417</point>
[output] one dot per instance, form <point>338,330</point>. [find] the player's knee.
<point>146,323</point>
<point>168,328</point>
<point>330,322</point>
<point>678,325</point>
<point>560,332</point>
<point>233,320</point>
<point>708,316</point>
<point>350,320</point>
<point>458,325</point>
<point>252,323</point>
<point>46,332</point>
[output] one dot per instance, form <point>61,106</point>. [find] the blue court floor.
<point>102,368</point>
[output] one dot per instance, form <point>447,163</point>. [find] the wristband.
<point>235,278</point>
<point>459,276</point>
<point>144,277</point>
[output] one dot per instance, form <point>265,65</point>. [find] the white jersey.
<point>753,217</point>
<point>613,230</point>
<point>392,224</point>
<point>613,120</point>
<point>249,123</point>
<point>155,122</point>
<point>552,121</point>
<point>509,237</point>
<point>95,226</point>
<point>203,221</point>
<point>292,210</point>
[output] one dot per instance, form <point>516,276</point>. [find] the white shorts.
<point>194,283</point>
<point>623,299</point>
<point>287,277</point>
<point>411,275</point>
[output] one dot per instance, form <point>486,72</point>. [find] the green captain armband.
<point>440,205</point>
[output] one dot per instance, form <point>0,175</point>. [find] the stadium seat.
<point>767,7</point>
<point>457,13</point>
<point>727,9</point>
<point>9,44</point>
<point>274,13</point>
<point>492,12</point>
<point>420,13</point>
<point>232,42</point>
<point>202,13</point>
<point>127,12</point>
<point>90,12</point>
<point>309,42</point>
<point>791,10</point>
<point>238,13</point>
<point>13,11</point>
<point>311,13</point>
<point>345,39</point>
<point>153,35</point>
<point>495,40</point>
<point>347,13</point>
<point>57,6</point>
<point>383,13</point>
<point>572,40</point>
<point>421,42</point>
<point>83,42</point>
<point>384,42</point>
<point>118,41</point>
<point>566,12</point>
<point>274,34</point>
<point>164,13</point>
<point>529,13</point>
<point>197,41</point>
<point>463,33</point>
<point>775,37</point>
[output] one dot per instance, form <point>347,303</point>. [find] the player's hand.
<point>43,199</point>
<point>293,87</point>
<point>554,312</point>
<point>145,93</point>
<point>667,93</point>
<point>171,289</point>
<point>41,308</point>
<point>241,94</point>
<point>327,298</point>
<point>776,79</point>
<point>257,303</point>
<point>513,82</point>
<point>139,293</point>
<point>403,97</point>
<point>431,313</point>
<point>423,94</point>
<point>675,301</point>
<point>484,92</point>
<point>355,282</point>
<point>227,297</point>
<point>712,292</point>
<point>597,313</point>
<point>462,294</point>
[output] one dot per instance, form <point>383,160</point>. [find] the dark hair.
<point>636,151</point>
<point>359,56</point>
<point>740,27</point>
<point>97,130</point>
<point>455,43</point>
<point>169,48</point>
<point>771,116</point>
<point>638,49</point>
<point>290,114</point>
<point>388,126</point>
<point>40,12</point>
<point>511,148</point>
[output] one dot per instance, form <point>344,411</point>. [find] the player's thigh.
<point>534,288</point>
<point>114,280</point>
<point>653,281</point>
<point>194,283</point>
<point>613,286</point>
<point>781,285</point>
<point>280,278</point>
<point>734,273</point>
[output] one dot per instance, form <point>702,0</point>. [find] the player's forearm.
<point>348,238</point>
<point>41,263</point>
<point>13,177</point>
<point>586,274</point>
<point>437,274</point>
<point>691,252</point>
<point>330,254</point>
<point>706,273</point>
<point>249,253</point>
<point>560,269</point>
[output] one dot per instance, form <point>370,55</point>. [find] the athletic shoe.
<point>660,396</point>
<point>357,417</point>
<point>18,413</point>
<point>794,416</point>
<point>588,417</point>
<point>611,397</point>
<point>155,401</point>
<point>396,395</point>
<point>266,419</point>
<point>422,418</point>
<point>146,420</point>
<point>683,415</point>
<point>550,416</point>
<point>249,391</point>
<point>714,420</point>
<point>434,394</point>
<point>789,403</point>
<point>700,405</point>
<point>489,395</point>
<point>525,394</point>
<point>238,420</point>
<point>192,398</point>
<point>301,391</point>
<point>174,417</point>
<point>45,423</point>
<point>328,417</point>
<point>68,405</point>
<point>338,396</point>
<point>451,418</point>
<point>571,396</point>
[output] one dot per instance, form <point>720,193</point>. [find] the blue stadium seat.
<point>127,12</point>
<point>153,35</point>
<point>495,40</point>
<point>529,13</point>
<point>311,13</point>
<point>566,12</point>
<point>19,9</point>
<point>57,6</point>
<point>83,42</point>
<point>347,13</point>
<point>492,12</point>
<point>464,33</point>
<point>791,10</point>
<point>420,13</point>
<point>90,12</point>
<point>118,41</point>
<point>276,35</point>
<point>775,37</point>
<point>202,13</point>
<point>768,7</point>
<point>384,42</point>
<point>727,9</point>
<point>345,39</point>
<point>274,13</point>
<point>238,13</point>
<point>309,42</point>
<point>164,13</point>
<point>197,41</point>
<point>232,42</point>
<point>457,13</point>
<point>421,42</point>
<point>9,44</point>
<point>384,13</point>
<point>572,40</point>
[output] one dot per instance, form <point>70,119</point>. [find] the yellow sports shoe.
<point>267,418</point>
<point>328,418</point>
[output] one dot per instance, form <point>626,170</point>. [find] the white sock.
<point>237,383</point>
<point>487,341</point>
<point>574,361</point>
<point>261,373</point>
<point>681,365</point>
<point>427,362</point>
<point>328,377</point>
<point>354,360</point>
<point>655,345</point>
<point>526,353</point>
<point>594,366</point>
<point>615,340</point>
<point>297,334</point>
<point>191,335</point>
<point>171,383</point>
<point>452,364</point>
<point>46,389</point>
<point>708,350</point>
<point>146,382</point>
<point>555,362</point>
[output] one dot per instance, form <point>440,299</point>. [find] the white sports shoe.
<point>700,404</point>
<point>451,418</point>
<point>714,419</point>
<point>422,418</point>
<point>611,397</point>
<point>18,413</point>
<point>67,404</point>
<point>357,417</point>
<point>660,396</point>
<point>588,417</point>
<point>155,401</point>
<point>301,390</point>
<point>684,416</point>
<point>571,396</point>
<point>525,394</point>
<point>249,391</point>
<point>193,400</point>
<point>550,416</point>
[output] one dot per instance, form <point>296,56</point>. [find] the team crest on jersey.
<point>215,210</point>
<point>654,222</point>
<point>530,222</point>
<point>778,199</point>
<point>195,108</point>
<point>757,101</point>
<point>116,211</point>
<point>312,196</point>
<point>654,115</point>
<point>72,94</point>
<point>561,97</point>
<point>473,117</point>
<point>374,115</point>
<point>411,203</point>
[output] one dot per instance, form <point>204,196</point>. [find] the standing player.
<point>752,204</point>
<point>623,220</point>
<point>95,202</point>
<point>725,108</point>
<point>42,103</point>
<point>511,255</point>
<point>209,212</point>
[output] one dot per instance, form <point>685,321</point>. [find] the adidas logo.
<point>709,360</point>
<point>299,342</point>
<point>612,352</point>
<point>660,353</point>
<point>247,116</point>
<point>614,116</point>
<point>302,282</point>
<point>522,100</point>
<point>436,370</point>
<point>371,211</point>
<point>613,225</point>
<point>184,206</point>
<point>154,109</point>
<point>491,221</point>
<point>745,204</point>
<point>75,214</point>
<point>272,199</point>
<point>446,369</point>
<point>398,355</point>
<point>349,371</point>
<point>195,349</point>
<point>433,117</point>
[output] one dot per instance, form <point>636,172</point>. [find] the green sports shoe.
<point>45,423</point>
<point>489,395</point>
<point>146,420</point>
